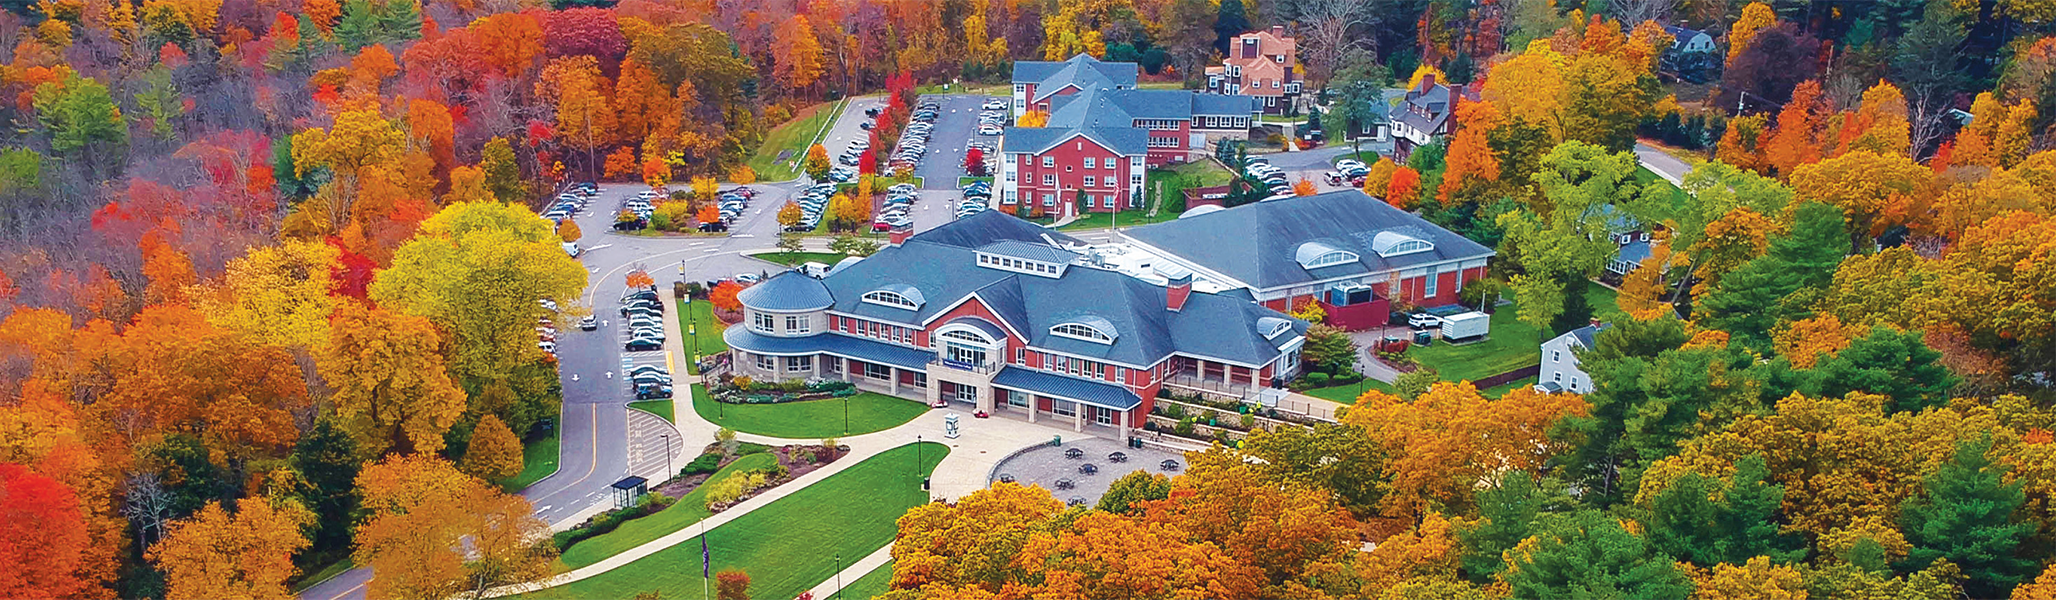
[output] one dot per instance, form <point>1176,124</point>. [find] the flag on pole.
<point>706,563</point>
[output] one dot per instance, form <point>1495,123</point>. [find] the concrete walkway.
<point>856,570</point>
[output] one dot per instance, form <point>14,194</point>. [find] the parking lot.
<point>956,126</point>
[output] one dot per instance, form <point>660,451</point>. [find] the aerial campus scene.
<point>1028,299</point>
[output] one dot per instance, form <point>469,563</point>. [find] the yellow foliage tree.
<point>743,175</point>
<point>495,452</point>
<point>279,295</point>
<point>1448,441</point>
<point>1429,551</point>
<point>1756,17</point>
<point>704,188</point>
<point>1032,118</point>
<point>213,554</point>
<point>1756,580</point>
<point>433,532</point>
<point>389,387</point>
<point>1807,341</point>
<point>1874,190</point>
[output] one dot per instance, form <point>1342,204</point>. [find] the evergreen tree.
<point>1589,554</point>
<point>1577,311</point>
<point>326,460</point>
<point>1506,515</point>
<point>1893,363</point>
<point>1753,299</point>
<point>1231,21</point>
<point>1965,514</point>
<point>359,26</point>
<point>399,21</point>
<point>1692,522</point>
<point>189,478</point>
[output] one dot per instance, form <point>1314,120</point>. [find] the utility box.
<point>1467,326</point>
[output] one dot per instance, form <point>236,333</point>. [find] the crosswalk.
<point>630,359</point>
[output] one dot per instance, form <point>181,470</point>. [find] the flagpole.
<point>705,562</point>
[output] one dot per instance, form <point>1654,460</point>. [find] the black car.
<point>641,345</point>
<point>867,125</point>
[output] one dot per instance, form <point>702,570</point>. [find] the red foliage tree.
<point>974,161</point>
<point>723,296</point>
<point>42,536</point>
<point>586,31</point>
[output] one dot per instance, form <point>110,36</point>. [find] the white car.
<point>988,129</point>
<point>1423,321</point>
<point>746,277</point>
<point>994,105</point>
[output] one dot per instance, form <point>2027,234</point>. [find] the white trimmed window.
<point>768,364</point>
<point>1081,331</point>
<point>796,364</point>
<point>892,299</point>
<point>764,322</point>
<point>798,324</point>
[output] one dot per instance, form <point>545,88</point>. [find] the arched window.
<point>1083,331</point>
<point>892,299</point>
<point>963,335</point>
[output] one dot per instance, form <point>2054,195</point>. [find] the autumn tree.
<point>732,584</point>
<point>248,554</point>
<point>421,508</point>
<point>1442,443</point>
<point>495,452</point>
<point>502,174</point>
<point>1131,490</point>
<point>723,296</point>
<point>816,163</point>
<point>43,539</point>
<point>567,230</point>
<point>390,388</point>
<point>476,270</point>
<point>799,57</point>
<point>279,295</point>
<point>789,215</point>
<point>1756,16</point>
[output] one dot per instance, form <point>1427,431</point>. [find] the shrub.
<point>1174,411</point>
<point>1317,379</point>
<point>733,487</point>
<point>1184,427</point>
<point>726,437</point>
<point>703,464</point>
<point>1248,422</point>
<point>609,521</point>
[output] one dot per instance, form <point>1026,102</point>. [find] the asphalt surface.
<point>956,125</point>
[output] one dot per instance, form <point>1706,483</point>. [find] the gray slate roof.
<point>1083,70</point>
<point>788,291</point>
<point>1257,243</point>
<point>987,227</point>
<point>840,345</point>
<point>1029,251</point>
<point>1126,141</point>
<point>1050,384</point>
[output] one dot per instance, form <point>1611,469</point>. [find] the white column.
<point>1031,408</point>
<point>1077,416</point>
<point>845,367</point>
<point>1123,426</point>
<point>895,381</point>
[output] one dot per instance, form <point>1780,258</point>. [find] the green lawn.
<point>1166,186</point>
<point>790,545</point>
<point>538,460</point>
<point>661,408</point>
<point>964,180</point>
<point>1128,218</point>
<point>1501,390</point>
<point>703,335</point>
<point>868,412</point>
<point>794,259</point>
<point>687,511</point>
<point>875,583</point>
<point>1512,344</point>
<point>795,135</point>
<point>1346,394</point>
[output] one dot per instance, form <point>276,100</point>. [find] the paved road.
<point>849,128</point>
<point>1665,165</point>
<point>956,124</point>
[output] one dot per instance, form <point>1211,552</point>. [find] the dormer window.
<point>1272,327</point>
<point>1392,243</point>
<point>1314,255</point>
<point>896,296</point>
<point>1091,329</point>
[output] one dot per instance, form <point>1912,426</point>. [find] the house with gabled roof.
<point>1261,65</point>
<point>1350,252</point>
<point>1426,114</point>
<point>995,314</point>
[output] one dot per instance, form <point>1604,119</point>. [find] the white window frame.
<point>890,298</point>
<point>798,324</point>
<point>1081,331</point>
<point>767,363</point>
<point>1049,162</point>
<point>764,322</point>
<point>798,364</point>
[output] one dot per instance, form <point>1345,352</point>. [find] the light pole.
<point>838,576</point>
<point>845,415</point>
<point>667,455</point>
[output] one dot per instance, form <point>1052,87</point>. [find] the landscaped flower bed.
<point>743,390</point>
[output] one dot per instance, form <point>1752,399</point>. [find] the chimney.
<point>1595,323</point>
<point>1180,288</point>
<point>1427,81</point>
<point>1278,31</point>
<point>899,235</point>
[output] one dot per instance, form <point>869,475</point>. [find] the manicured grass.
<point>795,135</point>
<point>1501,390</point>
<point>1346,394</point>
<point>336,568</point>
<point>868,412</point>
<point>964,180</point>
<point>1512,344</point>
<point>789,546</point>
<point>875,583</point>
<point>703,335</point>
<point>1281,119</point>
<point>687,511</point>
<point>794,259</point>
<point>1160,85</point>
<point>661,408</point>
<point>1128,218</point>
<point>538,460</point>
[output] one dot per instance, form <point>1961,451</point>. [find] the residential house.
<point>1426,114</point>
<point>998,315</point>
<point>1036,81</point>
<point>1262,65</point>
<point>1352,253</point>
<point>1560,372</point>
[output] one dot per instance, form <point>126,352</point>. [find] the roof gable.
<point>1259,244</point>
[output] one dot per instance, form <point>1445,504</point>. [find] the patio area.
<point>1080,471</point>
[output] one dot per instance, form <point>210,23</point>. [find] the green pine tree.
<point>1506,515</point>
<point>1893,363</point>
<point>1230,21</point>
<point>359,26</point>
<point>399,21</point>
<point>1753,299</point>
<point>1588,554</point>
<point>1965,514</point>
<point>1688,522</point>
<point>326,460</point>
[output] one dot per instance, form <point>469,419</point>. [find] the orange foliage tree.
<point>723,296</point>
<point>246,555</point>
<point>1449,440</point>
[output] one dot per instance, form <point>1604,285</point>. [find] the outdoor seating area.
<point>1073,469</point>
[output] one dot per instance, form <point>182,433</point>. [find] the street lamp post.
<point>667,455</point>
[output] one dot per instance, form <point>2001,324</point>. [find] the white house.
<point>1560,372</point>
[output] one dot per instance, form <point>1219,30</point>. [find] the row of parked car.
<point>899,199</point>
<point>992,118</point>
<point>848,161</point>
<point>1272,177</point>
<point>813,201</point>
<point>572,200</point>
<point>1350,170</point>
<point>642,205</point>
<point>644,314</point>
<point>913,142</point>
<point>731,203</point>
<point>546,329</point>
<point>977,199</point>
